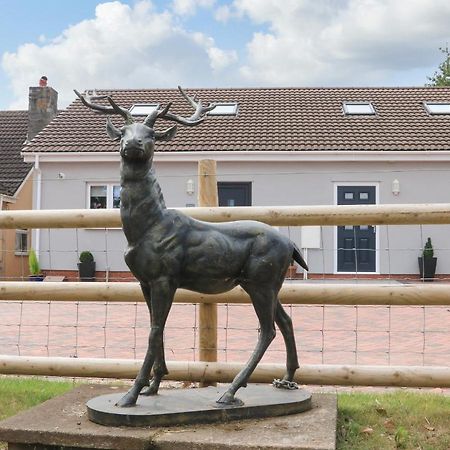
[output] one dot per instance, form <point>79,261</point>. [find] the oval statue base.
<point>189,406</point>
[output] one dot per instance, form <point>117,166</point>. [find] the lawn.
<point>378,421</point>
<point>398,420</point>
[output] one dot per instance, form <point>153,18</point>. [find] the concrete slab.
<point>63,422</point>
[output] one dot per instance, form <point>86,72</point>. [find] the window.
<point>224,109</point>
<point>437,108</point>
<point>21,247</point>
<point>143,109</point>
<point>103,196</point>
<point>358,108</point>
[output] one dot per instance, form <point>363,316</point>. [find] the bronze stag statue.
<point>168,250</point>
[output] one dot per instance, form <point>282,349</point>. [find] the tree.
<point>442,76</point>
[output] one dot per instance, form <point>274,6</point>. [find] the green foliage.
<point>33,263</point>
<point>428,251</point>
<point>86,257</point>
<point>442,76</point>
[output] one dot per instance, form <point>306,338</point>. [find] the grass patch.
<point>398,420</point>
<point>17,394</point>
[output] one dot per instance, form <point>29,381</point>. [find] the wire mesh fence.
<point>374,335</point>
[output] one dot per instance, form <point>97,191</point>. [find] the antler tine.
<point>122,111</point>
<point>151,118</point>
<point>86,100</point>
<point>196,118</point>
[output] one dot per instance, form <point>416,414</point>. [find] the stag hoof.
<point>229,399</point>
<point>150,390</point>
<point>127,401</point>
<point>285,384</point>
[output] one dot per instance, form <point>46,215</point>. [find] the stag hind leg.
<point>284,323</point>
<point>264,300</point>
<point>159,298</point>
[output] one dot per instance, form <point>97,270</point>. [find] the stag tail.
<point>299,258</point>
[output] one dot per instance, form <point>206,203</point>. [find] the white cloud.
<point>317,42</point>
<point>122,47</point>
<point>189,7</point>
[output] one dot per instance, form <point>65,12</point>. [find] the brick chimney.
<point>42,108</point>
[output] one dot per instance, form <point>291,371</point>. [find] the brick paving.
<point>397,335</point>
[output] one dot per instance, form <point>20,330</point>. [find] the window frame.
<point>213,112</point>
<point>20,251</point>
<point>372,111</point>
<point>435,113</point>
<point>109,194</point>
<point>137,105</point>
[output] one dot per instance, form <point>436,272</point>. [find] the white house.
<point>285,146</point>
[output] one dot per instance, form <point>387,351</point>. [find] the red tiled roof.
<point>13,132</point>
<point>292,119</point>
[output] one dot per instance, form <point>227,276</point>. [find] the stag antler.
<point>163,113</point>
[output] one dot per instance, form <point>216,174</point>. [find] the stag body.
<point>168,250</point>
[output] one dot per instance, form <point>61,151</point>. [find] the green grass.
<point>398,420</point>
<point>17,394</point>
<point>383,421</point>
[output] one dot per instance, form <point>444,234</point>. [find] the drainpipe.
<point>37,231</point>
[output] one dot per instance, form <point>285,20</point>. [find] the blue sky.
<point>143,44</point>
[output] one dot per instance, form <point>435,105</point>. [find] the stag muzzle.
<point>133,148</point>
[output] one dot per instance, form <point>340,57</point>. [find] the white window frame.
<point>109,194</point>
<point>19,251</point>
<point>136,106</point>
<point>337,184</point>
<point>216,110</point>
<point>429,108</point>
<point>347,112</point>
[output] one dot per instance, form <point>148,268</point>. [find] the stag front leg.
<point>264,301</point>
<point>159,298</point>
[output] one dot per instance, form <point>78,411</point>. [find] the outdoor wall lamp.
<point>189,187</point>
<point>396,187</point>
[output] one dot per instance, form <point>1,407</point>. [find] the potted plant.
<point>427,262</point>
<point>33,265</point>
<point>86,266</point>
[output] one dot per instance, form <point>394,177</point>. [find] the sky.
<point>85,44</point>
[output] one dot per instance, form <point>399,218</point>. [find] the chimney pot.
<point>43,81</point>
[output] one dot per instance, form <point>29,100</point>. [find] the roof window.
<point>224,109</point>
<point>358,108</point>
<point>437,108</point>
<point>143,109</point>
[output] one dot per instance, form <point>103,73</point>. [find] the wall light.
<point>190,187</point>
<point>396,187</point>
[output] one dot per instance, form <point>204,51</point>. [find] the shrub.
<point>86,257</point>
<point>33,263</point>
<point>428,251</point>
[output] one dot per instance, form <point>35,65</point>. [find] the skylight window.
<point>358,108</point>
<point>437,108</point>
<point>224,109</point>
<point>143,109</point>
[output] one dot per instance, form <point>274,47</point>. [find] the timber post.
<point>207,196</point>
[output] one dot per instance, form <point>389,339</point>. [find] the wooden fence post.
<point>207,196</point>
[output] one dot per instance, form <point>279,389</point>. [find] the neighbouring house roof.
<point>292,119</point>
<point>13,132</point>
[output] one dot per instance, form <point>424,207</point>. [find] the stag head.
<point>137,140</point>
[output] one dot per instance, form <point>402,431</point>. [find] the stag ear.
<point>166,135</point>
<point>113,132</point>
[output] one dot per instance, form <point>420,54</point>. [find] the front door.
<point>356,244</point>
<point>234,194</point>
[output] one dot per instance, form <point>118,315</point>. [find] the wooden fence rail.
<point>412,214</point>
<point>405,376</point>
<point>291,293</point>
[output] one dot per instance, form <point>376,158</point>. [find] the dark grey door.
<point>356,244</point>
<point>235,194</point>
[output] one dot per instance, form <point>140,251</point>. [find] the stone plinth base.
<point>62,423</point>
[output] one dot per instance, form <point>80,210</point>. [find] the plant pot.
<point>36,277</point>
<point>427,268</point>
<point>86,271</point>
